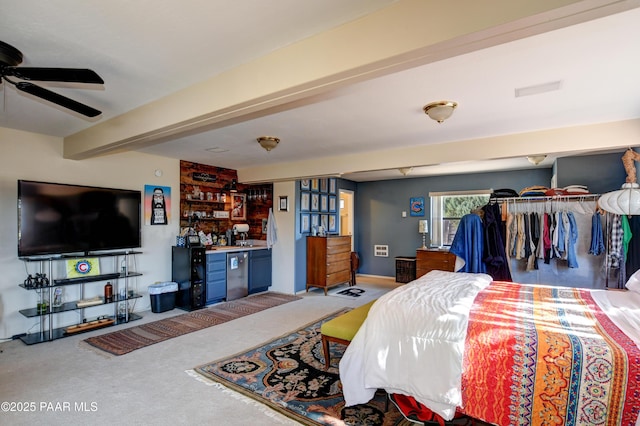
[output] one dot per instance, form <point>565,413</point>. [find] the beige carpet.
<point>150,386</point>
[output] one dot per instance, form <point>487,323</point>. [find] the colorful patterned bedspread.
<point>547,356</point>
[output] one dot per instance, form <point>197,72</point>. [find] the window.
<point>446,210</point>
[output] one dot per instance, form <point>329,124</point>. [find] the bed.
<point>501,352</point>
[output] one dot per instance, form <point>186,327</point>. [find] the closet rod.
<point>548,198</point>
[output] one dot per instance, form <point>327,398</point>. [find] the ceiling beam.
<point>560,142</point>
<point>406,34</point>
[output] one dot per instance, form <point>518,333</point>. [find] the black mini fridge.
<point>188,269</point>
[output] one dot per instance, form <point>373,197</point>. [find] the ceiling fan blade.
<point>55,98</point>
<point>67,75</point>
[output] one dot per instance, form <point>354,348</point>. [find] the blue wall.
<point>601,173</point>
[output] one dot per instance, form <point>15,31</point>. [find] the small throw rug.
<point>127,340</point>
<point>355,293</point>
<point>288,375</point>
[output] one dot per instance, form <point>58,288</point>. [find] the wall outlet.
<point>381,250</point>
<point>404,214</point>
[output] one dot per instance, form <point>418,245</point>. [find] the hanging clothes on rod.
<point>546,228</point>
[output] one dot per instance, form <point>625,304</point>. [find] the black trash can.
<point>163,296</point>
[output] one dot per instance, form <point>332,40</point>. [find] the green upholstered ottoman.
<point>343,328</point>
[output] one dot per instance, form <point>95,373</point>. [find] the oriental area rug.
<point>127,340</point>
<point>287,374</point>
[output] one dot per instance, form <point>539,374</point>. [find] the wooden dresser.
<point>428,260</point>
<point>328,261</point>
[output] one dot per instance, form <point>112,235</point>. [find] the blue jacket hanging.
<point>597,237</point>
<point>468,243</point>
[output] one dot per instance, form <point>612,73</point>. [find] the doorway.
<point>346,214</point>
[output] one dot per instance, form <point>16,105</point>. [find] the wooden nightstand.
<point>429,260</point>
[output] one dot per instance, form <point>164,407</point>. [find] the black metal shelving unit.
<point>47,331</point>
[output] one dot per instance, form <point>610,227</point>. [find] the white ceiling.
<point>145,50</point>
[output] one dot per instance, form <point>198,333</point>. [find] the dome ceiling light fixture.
<point>440,110</point>
<point>625,201</point>
<point>268,142</point>
<point>405,170</point>
<point>536,159</point>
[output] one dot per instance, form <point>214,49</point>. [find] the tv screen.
<point>58,218</point>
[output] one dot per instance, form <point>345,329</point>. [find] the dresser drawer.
<point>337,267</point>
<point>338,277</point>
<point>427,260</point>
<point>344,248</point>
<point>339,241</point>
<point>339,257</point>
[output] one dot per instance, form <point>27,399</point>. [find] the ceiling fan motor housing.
<point>9,55</point>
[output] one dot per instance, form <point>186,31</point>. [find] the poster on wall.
<point>416,206</point>
<point>238,207</point>
<point>157,204</point>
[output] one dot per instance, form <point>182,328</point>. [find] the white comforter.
<point>395,351</point>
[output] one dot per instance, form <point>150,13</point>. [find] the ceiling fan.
<point>10,58</point>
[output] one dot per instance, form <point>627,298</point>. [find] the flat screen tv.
<point>56,218</point>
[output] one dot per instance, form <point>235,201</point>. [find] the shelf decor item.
<point>84,267</point>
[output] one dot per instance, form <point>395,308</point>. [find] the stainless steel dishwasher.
<point>237,275</point>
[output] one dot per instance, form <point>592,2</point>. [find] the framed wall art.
<point>238,207</point>
<point>416,206</point>
<point>305,223</point>
<point>324,222</point>
<point>305,200</point>
<point>332,203</point>
<point>324,203</point>
<point>324,187</point>
<point>333,223</point>
<point>315,202</point>
<point>332,185</point>
<point>284,204</point>
<point>157,204</point>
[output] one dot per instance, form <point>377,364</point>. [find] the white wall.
<point>283,252</point>
<point>38,157</point>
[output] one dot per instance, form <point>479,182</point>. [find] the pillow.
<point>633,283</point>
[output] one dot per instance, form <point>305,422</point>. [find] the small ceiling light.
<point>536,159</point>
<point>405,170</point>
<point>440,110</point>
<point>268,142</point>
